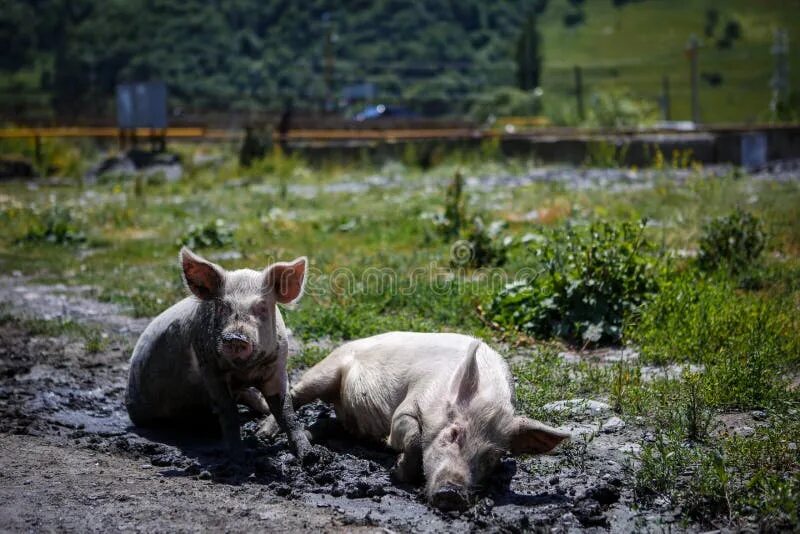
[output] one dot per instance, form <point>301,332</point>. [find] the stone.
<point>631,448</point>
<point>578,407</point>
<point>614,424</point>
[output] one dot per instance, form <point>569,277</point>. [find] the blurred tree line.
<point>246,54</point>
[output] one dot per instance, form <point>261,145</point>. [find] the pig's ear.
<point>286,280</point>
<point>532,437</point>
<point>204,279</point>
<point>464,386</point>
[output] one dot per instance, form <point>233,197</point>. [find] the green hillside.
<point>64,57</point>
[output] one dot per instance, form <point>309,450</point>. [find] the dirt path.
<point>71,460</point>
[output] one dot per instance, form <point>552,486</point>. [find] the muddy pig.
<point>225,342</point>
<point>443,401</point>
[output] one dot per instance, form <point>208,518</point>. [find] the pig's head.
<point>238,308</point>
<point>464,447</point>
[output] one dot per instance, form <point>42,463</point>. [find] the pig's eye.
<point>260,309</point>
<point>222,308</point>
<point>452,435</point>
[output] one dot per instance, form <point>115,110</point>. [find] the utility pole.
<point>579,91</point>
<point>665,100</point>
<point>780,74</point>
<point>692,52</point>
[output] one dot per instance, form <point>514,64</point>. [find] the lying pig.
<point>226,342</point>
<point>444,401</point>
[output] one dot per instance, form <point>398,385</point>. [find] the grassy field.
<point>635,47</point>
<point>383,257</point>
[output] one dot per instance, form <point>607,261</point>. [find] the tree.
<point>529,57</point>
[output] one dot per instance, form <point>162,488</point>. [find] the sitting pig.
<point>444,401</point>
<point>225,343</point>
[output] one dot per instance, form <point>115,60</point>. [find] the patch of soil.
<point>71,460</point>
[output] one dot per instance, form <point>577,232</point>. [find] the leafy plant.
<point>480,247</point>
<point>583,284</point>
<point>733,243</point>
<point>216,233</point>
<point>454,209</point>
<point>55,224</point>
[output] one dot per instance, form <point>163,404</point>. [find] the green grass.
<point>93,337</point>
<point>378,263</point>
<point>636,46</point>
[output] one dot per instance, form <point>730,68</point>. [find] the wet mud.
<point>71,459</point>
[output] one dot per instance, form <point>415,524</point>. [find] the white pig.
<point>443,401</point>
<point>226,342</point>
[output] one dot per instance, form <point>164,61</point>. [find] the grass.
<point>638,45</point>
<point>379,262</point>
<point>93,338</point>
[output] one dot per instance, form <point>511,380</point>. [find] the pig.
<point>443,401</point>
<point>224,343</point>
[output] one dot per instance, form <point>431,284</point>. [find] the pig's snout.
<point>450,497</point>
<point>236,346</point>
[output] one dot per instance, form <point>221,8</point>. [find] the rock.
<point>621,355</point>
<point>589,513</point>
<point>149,164</point>
<point>578,407</point>
<point>744,431</point>
<point>615,424</point>
<point>631,448</point>
<point>759,415</point>
<point>604,494</point>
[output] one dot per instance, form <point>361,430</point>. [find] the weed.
<point>606,154</point>
<point>584,282</point>
<point>55,224</point>
<point>481,246</point>
<point>215,233</point>
<point>733,243</point>
<point>454,209</point>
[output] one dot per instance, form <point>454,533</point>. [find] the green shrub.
<point>454,209</point>
<point>505,102</point>
<point>480,246</point>
<point>582,285</point>
<point>216,233</point>
<point>55,224</point>
<point>733,243</point>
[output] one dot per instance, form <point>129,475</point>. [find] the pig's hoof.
<point>449,498</point>
<point>269,428</point>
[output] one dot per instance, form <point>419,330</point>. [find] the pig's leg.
<point>253,399</point>
<point>323,381</point>
<point>280,404</point>
<point>320,382</point>
<point>225,407</point>
<point>405,437</point>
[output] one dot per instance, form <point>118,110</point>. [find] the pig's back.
<point>163,376</point>
<point>381,372</point>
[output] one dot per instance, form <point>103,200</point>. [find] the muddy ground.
<point>70,459</point>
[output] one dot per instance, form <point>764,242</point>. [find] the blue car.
<point>382,111</point>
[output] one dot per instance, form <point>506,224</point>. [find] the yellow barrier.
<point>96,131</point>
<point>204,133</point>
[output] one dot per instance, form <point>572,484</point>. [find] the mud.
<point>71,460</point>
